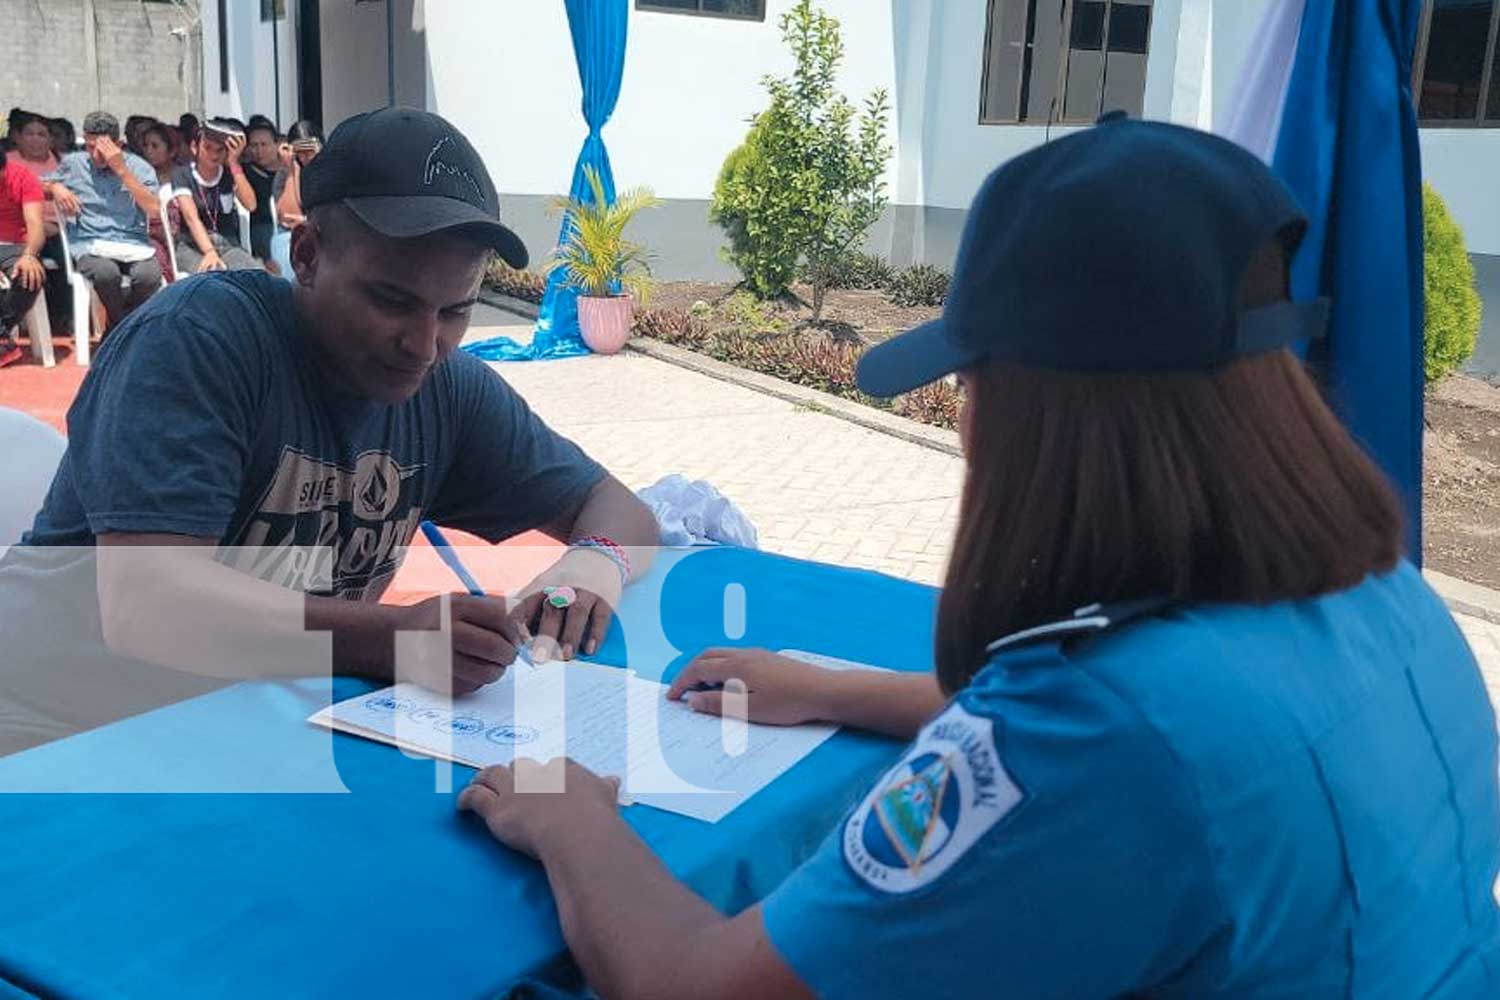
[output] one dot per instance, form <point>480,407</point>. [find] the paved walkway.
<point>815,486</point>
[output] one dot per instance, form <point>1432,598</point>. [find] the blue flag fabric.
<point>1348,148</point>
<point>599,33</point>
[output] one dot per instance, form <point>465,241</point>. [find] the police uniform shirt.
<point>1226,801</point>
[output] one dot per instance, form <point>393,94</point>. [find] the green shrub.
<point>809,181</point>
<point>920,285</point>
<point>1454,309</point>
<point>857,270</point>
<point>762,261</point>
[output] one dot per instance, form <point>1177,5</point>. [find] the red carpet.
<point>46,393</point>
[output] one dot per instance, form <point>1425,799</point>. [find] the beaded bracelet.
<point>609,548</point>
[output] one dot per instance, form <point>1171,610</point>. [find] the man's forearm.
<point>613,511</point>
<point>363,634</point>
<point>177,607</point>
<point>145,200</point>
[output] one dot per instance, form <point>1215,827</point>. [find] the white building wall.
<point>1463,166</point>
<point>504,73</point>
<point>355,73</point>
<point>252,82</point>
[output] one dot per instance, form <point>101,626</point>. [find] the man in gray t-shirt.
<point>239,432</point>
<point>108,195</point>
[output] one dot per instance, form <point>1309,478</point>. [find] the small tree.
<point>1453,303</point>
<point>810,180</point>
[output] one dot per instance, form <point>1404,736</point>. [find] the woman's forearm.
<point>886,702</point>
<point>630,925</point>
<point>289,205</point>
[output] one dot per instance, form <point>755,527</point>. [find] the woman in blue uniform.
<point>1196,729</point>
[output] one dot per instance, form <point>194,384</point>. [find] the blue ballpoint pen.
<point>449,555</point>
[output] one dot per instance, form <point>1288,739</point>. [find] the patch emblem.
<point>928,810</point>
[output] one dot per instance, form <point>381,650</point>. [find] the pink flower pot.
<point>605,322</point>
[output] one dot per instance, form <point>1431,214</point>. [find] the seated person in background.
<point>64,137</point>
<point>33,152</point>
<point>156,149</point>
<point>135,128</point>
<point>241,411</point>
<point>261,163</point>
<point>108,194</point>
<point>21,238</point>
<point>207,193</point>
<point>187,131</point>
<point>304,141</point>
<point>1263,766</point>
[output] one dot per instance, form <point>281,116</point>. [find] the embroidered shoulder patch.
<point>928,810</point>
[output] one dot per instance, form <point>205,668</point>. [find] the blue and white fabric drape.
<point>598,28</point>
<point>1338,124</point>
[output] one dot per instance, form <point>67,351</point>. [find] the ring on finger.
<point>560,597</point>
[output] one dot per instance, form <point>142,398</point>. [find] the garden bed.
<point>779,338</point>
<point>1461,484</point>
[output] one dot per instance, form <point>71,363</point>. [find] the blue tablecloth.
<point>384,890</point>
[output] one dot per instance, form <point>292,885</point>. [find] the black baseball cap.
<point>409,173</point>
<point>1116,249</point>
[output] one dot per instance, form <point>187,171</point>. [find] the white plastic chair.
<point>38,326</point>
<point>244,214</point>
<point>32,452</point>
<point>165,195</point>
<point>83,293</point>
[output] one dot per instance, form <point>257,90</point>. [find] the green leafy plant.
<point>598,259</point>
<point>854,270</point>
<point>920,285</point>
<point>809,181</point>
<point>1454,309</point>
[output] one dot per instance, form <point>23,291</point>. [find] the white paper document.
<point>606,718</point>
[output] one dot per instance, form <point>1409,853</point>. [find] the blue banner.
<point>1348,148</point>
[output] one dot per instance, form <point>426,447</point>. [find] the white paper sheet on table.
<point>616,724</point>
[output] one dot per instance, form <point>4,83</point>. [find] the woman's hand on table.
<point>527,805</point>
<point>777,690</point>
<point>568,607</point>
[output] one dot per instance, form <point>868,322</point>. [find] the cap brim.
<point>913,359</point>
<point>404,218</point>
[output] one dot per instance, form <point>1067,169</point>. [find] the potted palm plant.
<point>610,272</point>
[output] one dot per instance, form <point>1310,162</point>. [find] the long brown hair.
<point>1237,485</point>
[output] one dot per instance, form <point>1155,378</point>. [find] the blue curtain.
<point>1348,148</point>
<point>598,28</point>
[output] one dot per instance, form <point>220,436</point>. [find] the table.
<point>350,873</point>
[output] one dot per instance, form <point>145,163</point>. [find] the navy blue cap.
<point>1117,249</point>
<point>409,173</point>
